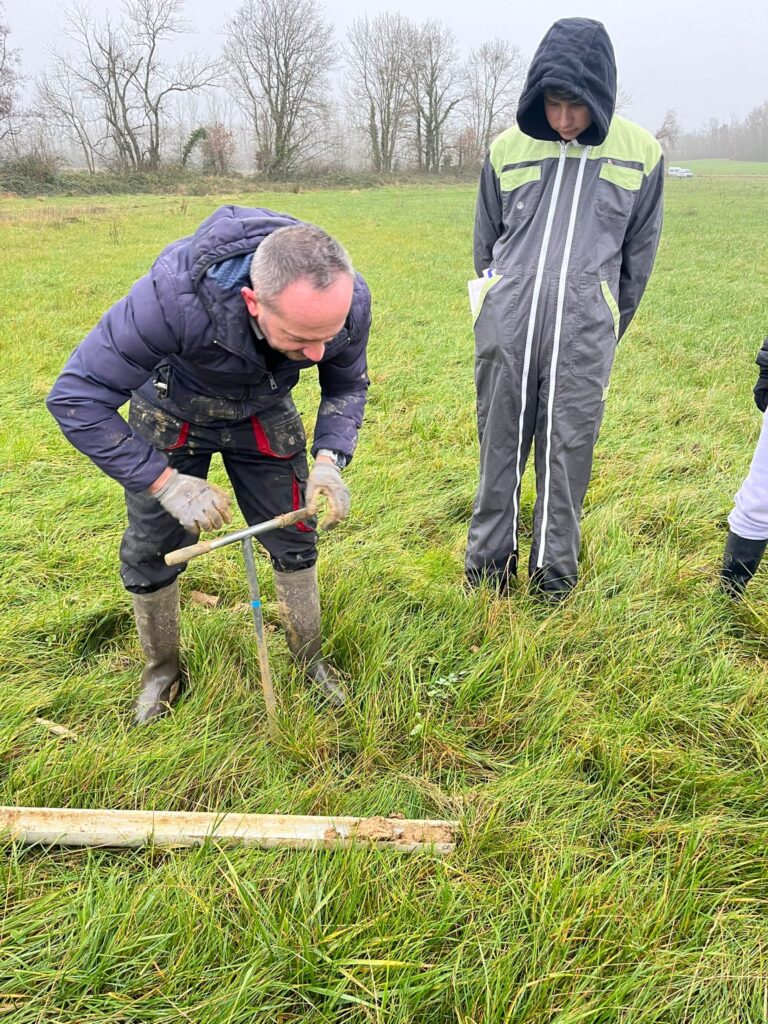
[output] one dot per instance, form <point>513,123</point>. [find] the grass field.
<point>608,760</point>
<point>727,168</point>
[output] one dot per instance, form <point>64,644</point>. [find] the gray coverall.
<point>566,235</point>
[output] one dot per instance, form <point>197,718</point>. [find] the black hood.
<point>575,55</point>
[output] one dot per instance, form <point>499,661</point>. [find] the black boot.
<point>298,598</point>
<point>497,573</point>
<point>157,621</point>
<point>740,562</point>
<point>548,585</point>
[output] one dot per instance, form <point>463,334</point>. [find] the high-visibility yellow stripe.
<point>629,178</point>
<point>488,283</point>
<point>517,176</point>
<point>612,305</point>
<point>625,141</point>
<point>513,147</point>
<point>628,141</point>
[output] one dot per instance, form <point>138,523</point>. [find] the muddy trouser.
<point>514,411</point>
<point>265,459</point>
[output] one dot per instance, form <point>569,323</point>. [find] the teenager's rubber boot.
<point>740,562</point>
<point>499,575</point>
<point>157,622</point>
<point>549,586</point>
<point>298,599</point>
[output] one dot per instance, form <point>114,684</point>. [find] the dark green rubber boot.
<point>157,622</point>
<point>298,599</point>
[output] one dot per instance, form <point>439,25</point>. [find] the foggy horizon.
<point>700,61</point>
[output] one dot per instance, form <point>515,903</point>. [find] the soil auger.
<point>245,537</point>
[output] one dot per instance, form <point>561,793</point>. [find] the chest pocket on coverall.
<point>520,194</point>
<point>617,189</point>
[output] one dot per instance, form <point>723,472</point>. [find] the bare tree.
<point>105,68</point>
<point>668,133</point>
<point>60,104</point>
<point>112,92</point>
<point>435,90</point>
<point>495,73</point>
<point>277,53</point>
<point>378,57</point>
<point>150,23</point>
<point>10,78</point>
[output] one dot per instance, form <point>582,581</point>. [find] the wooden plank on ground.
<point>54,826</point>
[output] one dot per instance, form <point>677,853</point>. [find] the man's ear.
<point>251,302</point>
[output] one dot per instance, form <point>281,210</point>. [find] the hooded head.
<point>576,57</point>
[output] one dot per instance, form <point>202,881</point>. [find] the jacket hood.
<point>575,55</point>
<point>231,231</point>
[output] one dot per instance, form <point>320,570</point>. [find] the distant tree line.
<point>734,140</point>
<point>283,98</point>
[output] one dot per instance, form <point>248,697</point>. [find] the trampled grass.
<point>608,759</point>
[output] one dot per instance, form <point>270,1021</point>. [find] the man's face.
<point>568,119</point>
<point>302,320</point>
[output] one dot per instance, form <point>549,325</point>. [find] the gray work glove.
<point>196,504</point>
<point>325,479</point>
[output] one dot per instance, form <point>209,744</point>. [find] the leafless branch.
<point>277,55</point>
<point>494,76</point>
<point>435,89</point>
<point>378,65</point>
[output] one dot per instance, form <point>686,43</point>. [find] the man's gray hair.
<point>299,252</point>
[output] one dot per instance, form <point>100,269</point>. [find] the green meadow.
<point>608,759</point>
<point>726,168</point>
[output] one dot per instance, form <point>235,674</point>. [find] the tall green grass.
<point>607,759</point>
<point>728,168</point>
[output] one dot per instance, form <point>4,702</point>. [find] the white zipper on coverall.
<point>531,329</point>
<point>556,346</point>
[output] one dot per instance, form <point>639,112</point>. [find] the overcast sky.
<point>700,57</point>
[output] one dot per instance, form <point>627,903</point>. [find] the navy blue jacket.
<point>178,321</point>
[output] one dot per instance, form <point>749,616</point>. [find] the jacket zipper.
<point>562,282</point>
<point>533,317</point>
